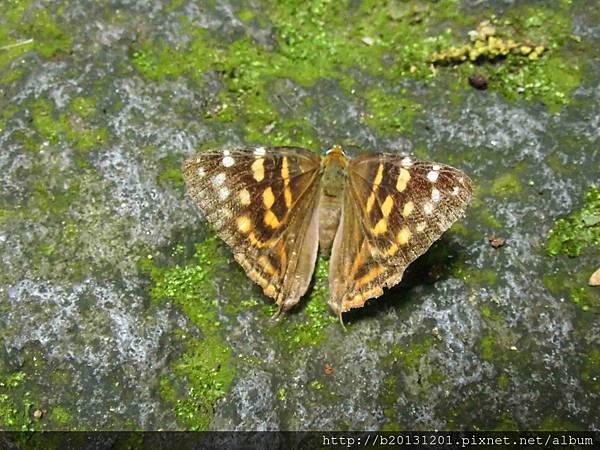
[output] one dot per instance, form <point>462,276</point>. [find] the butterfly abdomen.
<point>333,180</point>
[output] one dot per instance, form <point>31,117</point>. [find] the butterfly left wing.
<point>394,208</point>
<point>261,202</point>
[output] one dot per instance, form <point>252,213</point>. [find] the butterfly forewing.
<point>262,202</point>
<point>394,208</point>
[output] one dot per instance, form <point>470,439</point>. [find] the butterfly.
<point>371,215</point>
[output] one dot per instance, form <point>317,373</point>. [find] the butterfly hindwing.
<point>262,202</point>
<point>394,208</point>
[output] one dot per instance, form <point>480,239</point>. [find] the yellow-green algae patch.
<point>497,345</point>
<point>25,27</point>
<point>506,185</point>
<point>312,40</point>
<point>527,53</point>
<point>390,112</point>
<point>579,230</point>
<point>310,328</point>
<point>572,285</point>
<point>201,376</point>
<point>591,370</point>
<point>14,409</point>
<point>410,355</point>
<point>573,235</point>
<point>73,127</point>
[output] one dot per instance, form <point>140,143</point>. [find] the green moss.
<point>502,381</point>
<point>391,113</point>
<point>565,283</point>
<point>555,423</point>
<point>203,373</point>
<point>316,385</point>
<point>173,5</point>
<point>245,15</point>
<point>586,298</point>
<point>489,313</point>
<point>489,218</point>
<point>524,59</point>
<point>314,40</point>
<point>83,106</point>
<point>311,328</point>
<point>281,394</point>
<point>506,185</point>
<point>476,278</point>
<point>581,229</point>
<point>392,426</point>
<point>53,126</point>
<point>60,416</point>
<point>436,377</point>
<point>170,171</point>
<point>15,402</point>
<point>410,355</point>
<point>22,28</point>
<point>506,422</point>
<point>495,346</point>
<point>487,347</point>
<point>591,369</point>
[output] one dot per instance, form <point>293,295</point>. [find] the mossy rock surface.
<point>120,309</point>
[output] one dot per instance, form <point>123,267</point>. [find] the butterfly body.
<point>334,173</point>
<point>371,215</point>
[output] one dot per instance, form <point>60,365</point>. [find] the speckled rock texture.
<point>120,310</point>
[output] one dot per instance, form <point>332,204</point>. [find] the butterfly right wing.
<point>393,210</point>
<point>262,202</point>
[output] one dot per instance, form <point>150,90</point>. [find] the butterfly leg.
<point>342,321</point>
<point>277,314</point>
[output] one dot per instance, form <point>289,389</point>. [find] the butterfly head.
<point>336,157</point>
<point>336,150</point>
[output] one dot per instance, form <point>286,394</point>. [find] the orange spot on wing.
<point>380,227</point>
<point>244,224</point>
<point>403,179</point>
<point>258,169</point>
<point>271,220</point>
<point>267,266</point>
<point>403,236</point>
<point>386,207</point>
<point>370,276</point>
<point>268,197</point>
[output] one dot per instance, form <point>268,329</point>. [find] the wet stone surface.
<point>119,309</point>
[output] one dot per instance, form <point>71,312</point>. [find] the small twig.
<point>17,44</point>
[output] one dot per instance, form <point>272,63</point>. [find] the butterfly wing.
<point>394,208</point>
<point>262,203</point>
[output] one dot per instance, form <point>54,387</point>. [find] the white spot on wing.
<point>244,197</point>
<point>436,167</point>
<point>435,195</point>
<point>223,193</point>
<point>428,208</point>
<point>218,180</point>
<point>228,161</point>
<point>260,151</point>
<point>455,190</point>
<point>433,175</point>
<point>201,172</point>
<point>406,162</point>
